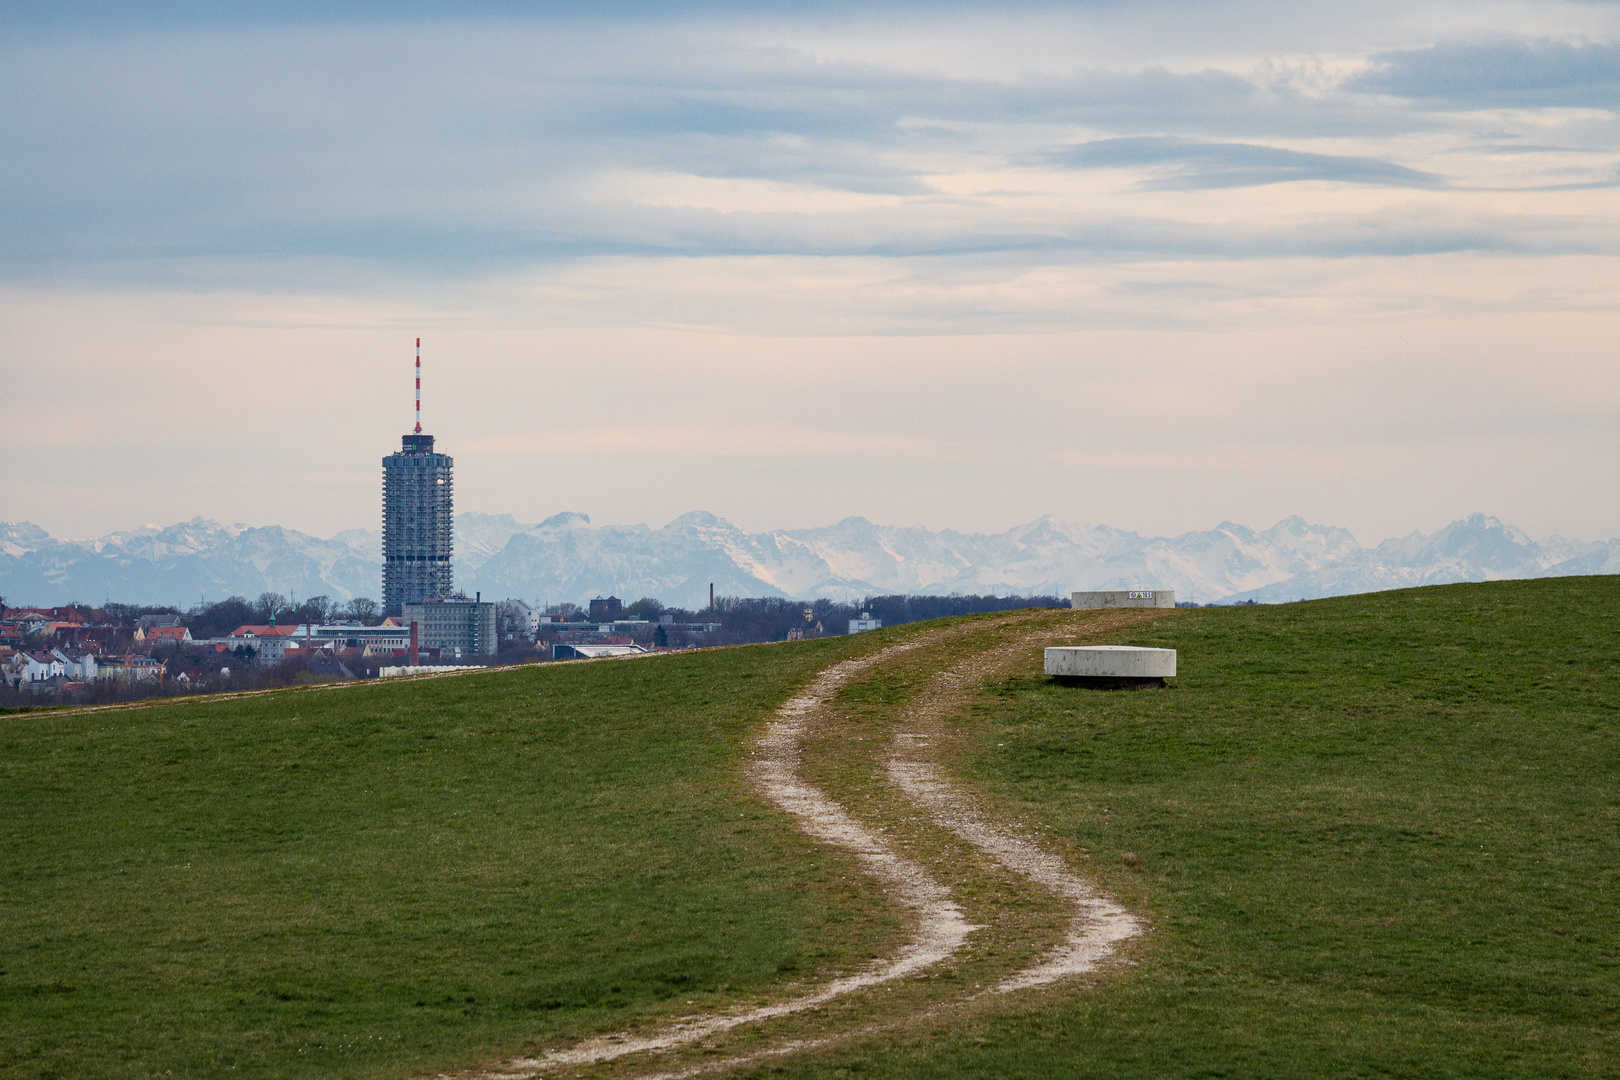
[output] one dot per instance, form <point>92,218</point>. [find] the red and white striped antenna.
<point>419,386</point>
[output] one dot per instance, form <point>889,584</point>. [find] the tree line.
<point>219,618</point>
<point>745,619</point>
<point>742,619</point>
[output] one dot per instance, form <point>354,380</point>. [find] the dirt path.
<point>912,770</point>
<point>940,928</point>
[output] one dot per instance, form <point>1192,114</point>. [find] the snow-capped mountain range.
<point>566,557</point>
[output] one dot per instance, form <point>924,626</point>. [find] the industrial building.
<point>591,652</point>
<point>454,625</point>
<point>865,622</point>
<point>606,609</point>
<point>418,526</point>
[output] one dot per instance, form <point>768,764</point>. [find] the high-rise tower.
<point>417,522</point>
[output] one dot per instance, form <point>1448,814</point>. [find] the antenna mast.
<point>419,386</point>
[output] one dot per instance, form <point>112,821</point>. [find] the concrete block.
<point>1124,598</point>
<point>1112,664</point>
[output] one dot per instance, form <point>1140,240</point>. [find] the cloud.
<point>106,15</point>
<point>307,149</point>
<point>1185,165</point>
<point>1500,73</point>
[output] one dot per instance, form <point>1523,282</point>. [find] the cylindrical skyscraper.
<point>417,518</point>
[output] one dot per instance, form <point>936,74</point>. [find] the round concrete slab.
<point>1110,662</point>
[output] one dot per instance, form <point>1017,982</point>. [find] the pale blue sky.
<point>1153,265</point>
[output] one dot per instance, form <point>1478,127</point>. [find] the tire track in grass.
<point>940,930</point>
<point>1097,923</point>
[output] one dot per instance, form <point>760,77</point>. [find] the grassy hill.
<point>392,879</point>
<point>1378,836</point>
<point>1374,836</point>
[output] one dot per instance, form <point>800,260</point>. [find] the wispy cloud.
<point>492,147</point>
<point>1496,74</point>
<point>1186,165</point>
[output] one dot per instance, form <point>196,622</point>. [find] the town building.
<point>76,663</point>
<point>325,662</point>
<point>454,625</point>
<point>130,669</point>
<point>159,634</point>
<point>29,622</point>
<point>40,665</point>
<point>417,524</point>
<point>606,610</point>
<point>373,639</point>
<point>865,622</point>
<point>591,652</point>
<point>521,618</point>
<point>272,644</point>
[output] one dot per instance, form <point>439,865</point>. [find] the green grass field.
<point>392,879</point>
<point>1375,836</point>
<point>1378,836</point>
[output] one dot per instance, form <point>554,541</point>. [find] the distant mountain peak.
<point>564,519</point>
<point>700,519</point>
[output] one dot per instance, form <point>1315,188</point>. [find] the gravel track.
<point>940,929</point>
<point>1097,923</point>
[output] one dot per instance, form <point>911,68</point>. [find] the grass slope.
<point>392,879</point>
<point>1377,835</point>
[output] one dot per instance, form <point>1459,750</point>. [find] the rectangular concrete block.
<point>1109,598</point>
<point>1110,662</point>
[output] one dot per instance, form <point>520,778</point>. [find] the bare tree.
<point>318,608</point>
<point>508,623</point>
<point>269,605</point>
<point>362,609</point>
<point>221,617</point>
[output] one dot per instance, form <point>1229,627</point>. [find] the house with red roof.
<point>271,644</point>
<point>40,665</point>
<point>158,635</point>
<point>264,631</point>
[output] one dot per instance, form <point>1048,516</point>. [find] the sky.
<point>1151,265</point>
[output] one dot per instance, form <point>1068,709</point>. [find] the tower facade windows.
<point>418,524</point>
